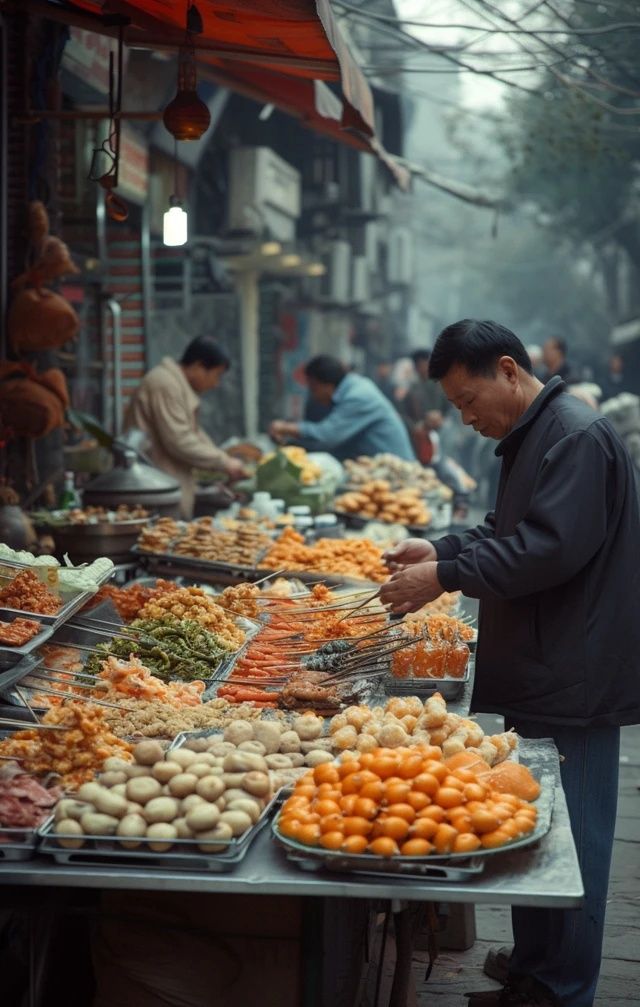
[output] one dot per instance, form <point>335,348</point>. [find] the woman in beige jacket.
<point>165,406</point>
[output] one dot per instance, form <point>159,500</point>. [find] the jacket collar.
<point>179,377</point>
<point>343,388</point>
<point>516,435</point>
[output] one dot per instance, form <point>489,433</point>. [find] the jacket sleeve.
<point>174,429</point>
<point>347,419</point>
<point>452,545</point>
<point>563,528</point>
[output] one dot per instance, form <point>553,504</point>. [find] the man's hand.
<point>235,470</point>
<point>410,589</point>
<point>281,429</point>
<point>412,550</point>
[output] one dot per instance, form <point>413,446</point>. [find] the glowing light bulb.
<point>174,224</point>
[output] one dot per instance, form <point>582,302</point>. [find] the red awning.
<point>277,51</point>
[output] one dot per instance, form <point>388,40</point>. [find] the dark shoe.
<point>496,964</point>
<point>524,992</point>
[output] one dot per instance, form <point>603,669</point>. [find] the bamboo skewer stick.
<point>63,681</point>
<point>74,674</point>
<point>82,699</point>
<point>27,725</point>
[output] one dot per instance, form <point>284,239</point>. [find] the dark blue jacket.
<point>557,570</point>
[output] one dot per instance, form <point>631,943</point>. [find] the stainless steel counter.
<point>545,875</point>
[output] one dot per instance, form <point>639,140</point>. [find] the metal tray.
<point>10,656</point>
<point>22,842</point>
<point>449,688</point>
<point>403,867</point>
<point>359,521</point>
<point>366,863</point>
<point>195,564</point>
<point>22,669</point>
<point>72,600</point>
<point>317,576</point>
<point>105,850</point>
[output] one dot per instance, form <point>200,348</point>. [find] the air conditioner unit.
<point>360,288</point>
<point>371,243</point>
<point>400,256</point>
<point>264,193</point>
<point>336,287</point>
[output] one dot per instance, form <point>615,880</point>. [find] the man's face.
<point>491,405</point>
<point>320,391</point>
<point>552,355</point>
<point>208,378</point>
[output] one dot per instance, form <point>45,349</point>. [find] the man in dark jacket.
<point>555,567</point>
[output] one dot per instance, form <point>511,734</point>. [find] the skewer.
<point>26,725</point>
<point>357,670</point>
<point>144,639</point>
<point>343,603</point>
<point>81,699</point>
<point>26,702</point>
<point>56,671</point>
<point>268,576</point>
<point>361,604</point>
<point>63,681</point>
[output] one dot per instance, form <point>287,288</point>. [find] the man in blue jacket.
<point>555,567</point>
<point>361,420</point>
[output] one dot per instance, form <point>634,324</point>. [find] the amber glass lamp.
<point>187,116</point>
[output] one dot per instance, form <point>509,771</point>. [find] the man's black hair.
<point>204,350</point>
<point>419,355</point>
<point>477,346</point>
<point>325,369</point>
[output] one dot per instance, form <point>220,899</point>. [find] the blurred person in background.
<point>554,358</point>
<point>383,378</point>
<point>424,407</point>
<point>361,421</point>
<point>535,356</point>
<point>615,380</point>
<point>165,407</point>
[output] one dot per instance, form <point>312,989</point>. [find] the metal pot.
<point>133,482</point>
<point>86,542</point>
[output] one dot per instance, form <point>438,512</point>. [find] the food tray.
<point>22,843</point>
<point>360,521</point>
<point>449,688</point>
<point>10,656</point>
<point>192,563</point>
<point>105,850</point>
<point>22,669</point>
<point>445,867</point>
<point>227,663</point>
<point>318,576</point>
<point>72,600</point>
<point>99,581</point>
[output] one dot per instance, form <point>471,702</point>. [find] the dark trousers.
<point>562,948</point>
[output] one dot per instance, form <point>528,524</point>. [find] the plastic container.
<point>304,525</point>
<point>327,526</point>
<point>261,503</point>
<point>300,510</point>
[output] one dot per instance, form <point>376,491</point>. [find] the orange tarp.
<point>278,51</point>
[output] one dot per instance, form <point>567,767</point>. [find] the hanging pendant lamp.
<point>187,117</point>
